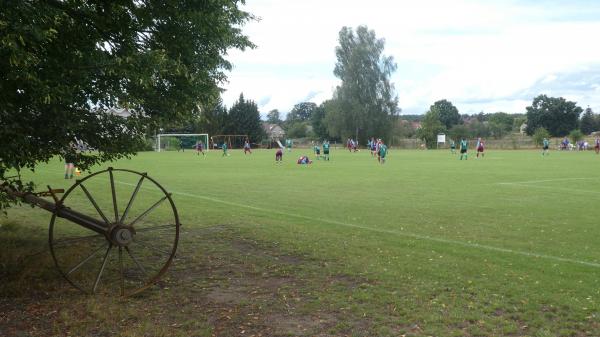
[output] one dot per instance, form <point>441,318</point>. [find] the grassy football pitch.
<point>425,245</point>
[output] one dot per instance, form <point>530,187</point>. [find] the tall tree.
<point>273,117</point>
<point>430,127</point>
<point>317,120</point>
<point>301,112</point>
<point>365,96</point>
<point>588,122</point>
<point>448,113</point>
<point>556,115</point>
<point>245,120</point>
<point>64,63</point>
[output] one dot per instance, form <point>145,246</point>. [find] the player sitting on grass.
<point>480,147</point>
<point>326,150</point>
<point>463,148</point>
<point>546,145</point>
<point>279,156</point>
<point>247,147</point>
<point>382,152</point>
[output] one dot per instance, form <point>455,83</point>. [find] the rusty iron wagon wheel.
<point>121,237</point>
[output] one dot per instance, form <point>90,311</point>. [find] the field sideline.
<point>425,245</point>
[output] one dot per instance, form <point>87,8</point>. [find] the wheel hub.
<point>122,235</point>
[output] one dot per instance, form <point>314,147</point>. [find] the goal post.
<point>165,141</point>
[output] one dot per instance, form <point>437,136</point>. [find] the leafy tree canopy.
<point>301,112</point>
<point>557,115</point>
<point>244,119</point>
<point>366,98</point>
<point>273,117</point>
<point>588,122</point>
<point>448,113</point>
<point>62,63</point>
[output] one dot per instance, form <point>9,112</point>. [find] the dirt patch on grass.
<point>221,284</point>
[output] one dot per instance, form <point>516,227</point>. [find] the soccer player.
<point>597,145</point>
<point>224,148</point>
<point>480,147</point>
<point>200,148</point>
<point>326,150</point>
<point>288,144</point>
<point>70,159</point>
<point>373,147</point>
<point>247,147</point>
<point>463,148</point>
<point>279,156</point>
<point>452,147</point>
<point>181,146</point>
<point>382,152</point>
<point>546,145</point>
<point>317,151</point>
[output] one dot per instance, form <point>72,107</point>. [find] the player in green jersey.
<point>452,147</point>
<point>546,145</point>
<point>224,147</point>
<point>463,148</point>
<point>326,150</point>
<point>382,152</point>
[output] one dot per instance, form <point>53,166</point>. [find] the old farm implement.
<point>114,231</point>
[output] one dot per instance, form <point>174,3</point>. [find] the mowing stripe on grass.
<point>549,188</point>
<point>386,231</point>
<point>542,181</point>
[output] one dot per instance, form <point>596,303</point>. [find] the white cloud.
<point>480,55</point>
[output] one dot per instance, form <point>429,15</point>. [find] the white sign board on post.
<point>441,138</point>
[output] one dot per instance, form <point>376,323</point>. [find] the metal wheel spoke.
<point>69,241</point>
<point>145,245</point>
<point>85,260</point>
<point>149,229</point>
<point>137,263</point>
<point>135,192</point>
<point>87,193</point>
<point>121,271</point>
<point>101,268</point>
<point>143,215</point>
<point>114,194</point>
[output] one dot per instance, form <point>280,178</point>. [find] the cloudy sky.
<point>481,55</point>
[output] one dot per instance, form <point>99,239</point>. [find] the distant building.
<point>273,131</point>
<point>523,128</point>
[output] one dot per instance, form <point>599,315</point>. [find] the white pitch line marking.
<point>386,231</point>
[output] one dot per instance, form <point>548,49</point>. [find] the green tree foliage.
<point>244,119</point>
<point>460,131</point>
<point>317,120</point>
<point>500,124</point>
<point>448,113</point>
<point>588,122</point>
<point>214,119</point>
<point>539,135</point>
<point>518,122</point>
<point>366,98</point>
<point>62,63</point>
<point>430,127</point>
<point>557,115</point>
<point>576,135</point>
<point>301,112</point>
<point>273,117</point>
<point>297,130</point>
